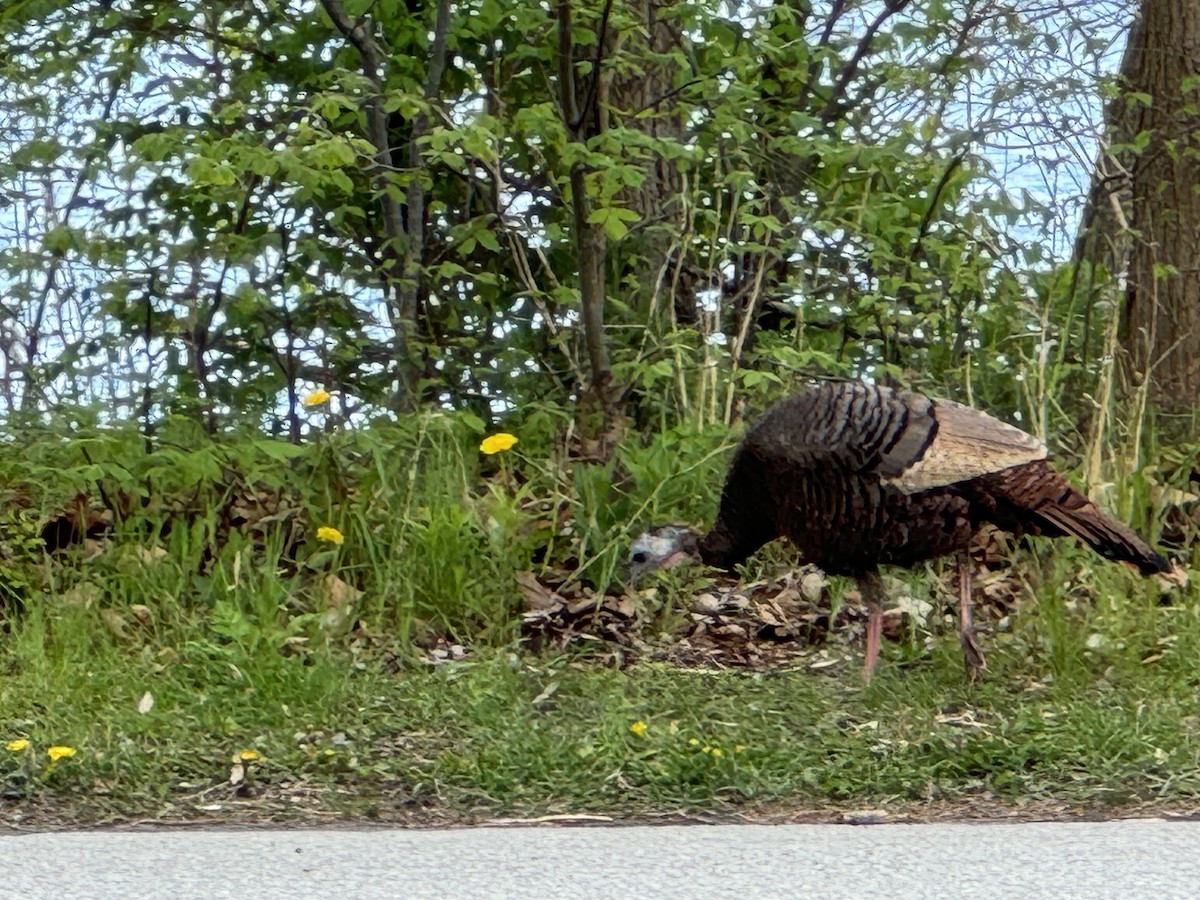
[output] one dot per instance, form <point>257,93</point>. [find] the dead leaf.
<point>1177,577</point>
<point>339,597</point>
<point>83,594</point>
<point>789,596</point>
<point>537,595</point>
<point>547,692</point>
<point>115,623</point>
<point>292,643</point>
<point>585,604</point>
<point>621,606</point>
<point>146,703</point>
<point>337,593</point>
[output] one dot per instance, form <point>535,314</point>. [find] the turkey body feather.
<point>859,475</point>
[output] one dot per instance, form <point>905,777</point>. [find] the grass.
<point>163,653</point>
<point>470,739</point>
<point>512,734</point>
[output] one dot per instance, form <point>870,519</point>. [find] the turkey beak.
<point>677,558</point>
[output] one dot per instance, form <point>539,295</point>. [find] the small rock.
<point>735,602</point>
<point>705,604</point>
<point>812,586</point>
<point>867,817</point>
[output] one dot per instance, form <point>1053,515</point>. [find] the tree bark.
<point>1144,212</point>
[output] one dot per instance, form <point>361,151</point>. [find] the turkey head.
<point>663,547</point>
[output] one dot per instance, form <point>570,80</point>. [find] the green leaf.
<point>487,238</point>
<point>281,451</point>
<point>60,239</point>
<point>206,171</point>
<point>613,219</point>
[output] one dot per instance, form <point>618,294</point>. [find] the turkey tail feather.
<point>1078,516</point>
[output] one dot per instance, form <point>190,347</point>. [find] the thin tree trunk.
<point>410,287</point>
<point>580,103</point>
<point>403,247</point>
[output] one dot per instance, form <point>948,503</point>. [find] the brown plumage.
<point>858,476</point>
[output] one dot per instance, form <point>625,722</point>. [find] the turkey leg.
<point>871,588</point>
<point>972,653</point>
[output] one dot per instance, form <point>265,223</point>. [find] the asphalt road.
<point>1145,858</point>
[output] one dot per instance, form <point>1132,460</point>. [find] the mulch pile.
<point>792,619</point>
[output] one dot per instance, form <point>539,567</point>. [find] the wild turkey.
<point>858,476</point>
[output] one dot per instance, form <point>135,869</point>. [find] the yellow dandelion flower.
<point>739,748</point>
<point>317,397</point>
<point>60,752</point>
<point>706,749</point>
<point>249,756</point>
<point>497,443</point>
<point>718,752</point>
<point>638,727</point>
<point>694,742</point>
<point>17,746</point>
<point>330,535</point>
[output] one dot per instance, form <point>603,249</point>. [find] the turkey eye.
<point>639,557</point>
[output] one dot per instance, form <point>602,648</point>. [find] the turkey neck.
<point>747,516</point>
<point>718,548</point>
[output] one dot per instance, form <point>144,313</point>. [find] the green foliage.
<point>209,527</point>
<point>20,552</point>
<point>811,165</point>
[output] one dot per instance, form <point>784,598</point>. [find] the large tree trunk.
<point>1154,190</point>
